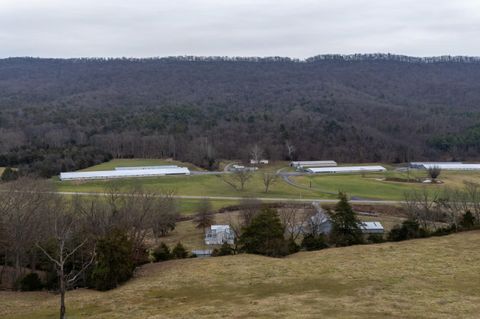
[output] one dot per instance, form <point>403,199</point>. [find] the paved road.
<point>271,199</point>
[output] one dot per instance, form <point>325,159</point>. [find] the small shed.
<point>372,228</point>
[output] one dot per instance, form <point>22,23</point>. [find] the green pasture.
<point>138,162</point>
<point>390,185</point>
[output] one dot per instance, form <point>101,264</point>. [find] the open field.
<point>372,186</point>
<point>198,185</point>
<point>366,186</point>
<point>424,278</point>
<point>139,162</point>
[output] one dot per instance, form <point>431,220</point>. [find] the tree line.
<point>78,242</point>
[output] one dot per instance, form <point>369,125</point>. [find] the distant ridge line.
<point>359,57</point>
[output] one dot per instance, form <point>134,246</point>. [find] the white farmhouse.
<point>219,234</point>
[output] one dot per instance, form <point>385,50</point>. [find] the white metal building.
<point>421,165</point>
<point>454,167</point>
<point>123,168</point>
<point>262,161</point>
<point>219,234</point>
<point>65,176</point>
<point>371,228</point>
<point>346,169</point>
<point>301,164</point>
<point>238,168</point>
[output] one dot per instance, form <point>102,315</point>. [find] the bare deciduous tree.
<point>290,150</point>
<point>293,219</point>
<point>256,153</point>
<point>423,207</point>
<point>61,227</point>
<point>269,179</point>
<point>238,178</point>
<point>204,217</point>
<point>21,205</point>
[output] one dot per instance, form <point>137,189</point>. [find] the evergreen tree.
<point>468,220</point>
<point>179,251</point>
<point>9,175</point>
<point>162,252</point>
<point>314,242</point>
<point>345,224</point>
<point>114,261</point>
<point>224,250</point>
<point>264,235</point>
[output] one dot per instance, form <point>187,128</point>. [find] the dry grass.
<point>428,278</point>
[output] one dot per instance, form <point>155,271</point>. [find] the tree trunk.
<point>62,295</point>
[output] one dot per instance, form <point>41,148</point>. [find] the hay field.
<point>425,278</point>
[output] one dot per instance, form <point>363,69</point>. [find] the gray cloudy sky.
<point>295,28</point>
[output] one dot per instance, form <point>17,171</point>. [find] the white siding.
<point>300,164</point>
<point>454,167</point>
<point>123,173</point>
<point>346,169</point>
<point>124,168</point>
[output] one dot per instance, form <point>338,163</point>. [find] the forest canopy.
<point>65,114</point>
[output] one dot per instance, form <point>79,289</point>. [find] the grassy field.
<point>139,162</point>
<point>425,278</point>
<point>199,185</point>
<point>373,186</point>
<point>367,186</point>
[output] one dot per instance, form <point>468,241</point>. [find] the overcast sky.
<point>295,28</point>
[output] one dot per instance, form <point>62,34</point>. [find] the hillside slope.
<point>429,278</point>
<point>352,109</point>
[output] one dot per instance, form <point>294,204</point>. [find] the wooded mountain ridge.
<point>63,114</point>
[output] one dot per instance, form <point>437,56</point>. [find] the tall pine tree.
<point>346,226</point>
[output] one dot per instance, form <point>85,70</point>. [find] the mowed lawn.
<point>425,278</point>
<point>198,185</point>
<point>138,162</point>
<point>366,186</point>
<point>371,186</point>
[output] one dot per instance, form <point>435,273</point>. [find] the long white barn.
<point>123,168</point>
<point>346,169</point>
<point>454,167</point>
<point>422,164</point>
<point>129,173</point>
<point>301,164</point>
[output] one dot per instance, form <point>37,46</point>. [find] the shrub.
<point>408,230</point>
<point>314,242</point>
<point>31,282</point>
<point>264,235</point>
<point>179,251</point>
<point>292,246</point>
<point>114,261</point>
<point>9,175</point>
<point>224,250</point>
<point>376,238</point>
<point>443,231</point>
<point>467,221</point>
<point>162,252</point>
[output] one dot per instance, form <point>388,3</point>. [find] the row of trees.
<point>94,242</point>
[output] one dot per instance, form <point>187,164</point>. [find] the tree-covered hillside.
<point>359,108</point>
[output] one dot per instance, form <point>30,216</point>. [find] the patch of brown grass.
<point>426,278</point>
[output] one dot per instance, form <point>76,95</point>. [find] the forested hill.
<point>55,113</point>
